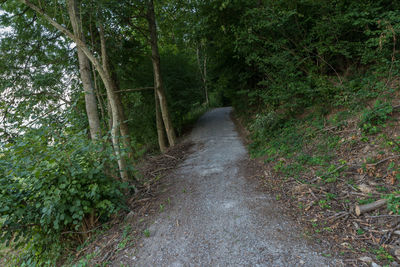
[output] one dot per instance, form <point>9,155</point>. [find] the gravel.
<point>217,216</point>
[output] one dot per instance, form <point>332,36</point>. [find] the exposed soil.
<point>210,211</point>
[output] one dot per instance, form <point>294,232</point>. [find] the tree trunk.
<point>205,79</point>
<point>86,77</point>
<point>116,108</point>
<point>158,84</point>
<point>160,125</point>
<point>105,77</point>
<point>203,72</point>
<point>125,133</point>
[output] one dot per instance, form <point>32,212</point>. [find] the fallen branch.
<point>169,156</point>
<point>383,160</point>
<point>360,209</point>
<point>338,215</point>
<point>382,216</point>
<point>161,169</point>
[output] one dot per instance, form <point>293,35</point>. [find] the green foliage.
<point>263,124</point>
<point>382,254</point>
<point>372,118</point>
<point>126,238</point>
<point>284,56</point>
<point>184,90</point>
<point>393,202</point>
<point>146,233</point>
<point>52,184</point>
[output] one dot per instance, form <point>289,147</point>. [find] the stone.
<point>365,188</point>
<point>366,259</point>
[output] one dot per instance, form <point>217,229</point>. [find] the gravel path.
<point>217,217</point>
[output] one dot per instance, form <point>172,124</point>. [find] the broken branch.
<point>360,209</point>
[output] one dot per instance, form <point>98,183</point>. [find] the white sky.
<point>3,29</point>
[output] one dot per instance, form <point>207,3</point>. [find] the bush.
<point>374,117</point>
<point>265,124</point>
<point>53,184</point>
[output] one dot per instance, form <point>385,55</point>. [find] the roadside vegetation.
<point>320,99</point>
<point>92,90</point>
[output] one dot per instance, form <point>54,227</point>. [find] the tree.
<point>201,55</point>
<point>158,84</point>
<point>105,77</point>
<point>86,77</point>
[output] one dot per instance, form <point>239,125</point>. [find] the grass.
<point>146,233</point>
<point>4,254</point>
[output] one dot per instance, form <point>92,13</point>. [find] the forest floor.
<point>209,210</point>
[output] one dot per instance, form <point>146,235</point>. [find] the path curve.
<point>217,217</point>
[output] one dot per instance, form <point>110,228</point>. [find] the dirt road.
<point>217,216</point>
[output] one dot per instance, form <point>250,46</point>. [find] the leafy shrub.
<point>265,123</point>
<point>53,184</point>
<point>371,118</point>
<point>393,202</point>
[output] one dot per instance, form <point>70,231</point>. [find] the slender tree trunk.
<point>125,133</point>
<point>86,77</point>
<point>110,121</point>
<point>100,100</point>
<point>158,84</point>
<point>104,75</point>
<point>203,72</point>
<point>205,79</point>
<point>116,108</point>
<point>160,125</point>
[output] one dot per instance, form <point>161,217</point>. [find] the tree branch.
<point>69,34</point>
<point>135,89</point>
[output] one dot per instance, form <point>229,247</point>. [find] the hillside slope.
<point>322,165</point>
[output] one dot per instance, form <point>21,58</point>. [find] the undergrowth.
<point>328,148</point>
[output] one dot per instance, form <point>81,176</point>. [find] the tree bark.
<point>158,84</point>
<point>205,79</point>
<point>124,130</point>
<point>203,72</point>
<point>160,125</point>
<point>360,209</point>
<point>86,77</point>
<point>116,108</point>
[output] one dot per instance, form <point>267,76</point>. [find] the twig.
<point>338,168</point>
<point>329,128</point>
<point>161,169</point>
<point>312,193</point>
<point>383,160</point>
<point>338,215</point>
<point>381,216</point>
<point>85,232</point>
<point>169,156</point>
